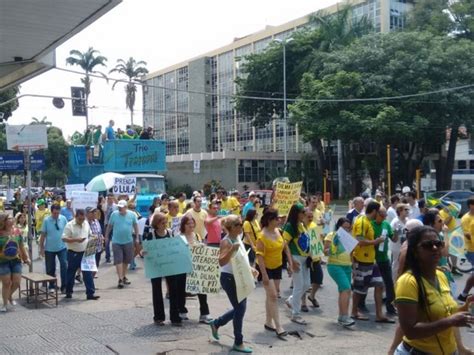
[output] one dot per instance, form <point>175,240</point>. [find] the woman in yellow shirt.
<point>427,312</point>
<point>252,231</point>
<point>340,269</point>
<point>270,246</point>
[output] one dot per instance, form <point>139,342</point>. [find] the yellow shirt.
<point>233,203</point>
<point>321,207</point>
<point>40,215</point>
<point>181,207</point>
<point>337,253</point>
<point>199,218</point>
<point>467,225</point>
<point>248,229</point>
<point>445,216</point>
<point>362,230</point>
<point>272,251</point>
<point>441,305</point>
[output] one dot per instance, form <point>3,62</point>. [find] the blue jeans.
<point>50,262</point>
<point>107,248</point>
<point>236,314</point>
<point>73,264</point>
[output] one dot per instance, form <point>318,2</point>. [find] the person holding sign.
<point>340,269</point>
<point>76,233</point>
<point>270,247</point>
<point>314,263</point>
<point>174,217</point>
<point>228,247</point>
<point>298,240</point>
<point>158,230</point>
<point>188,235</point>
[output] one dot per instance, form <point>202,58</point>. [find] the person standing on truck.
<point>109,131</point>
<point>147,133</point>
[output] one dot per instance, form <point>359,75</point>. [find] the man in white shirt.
<point>75,235</point>
<point>399,231</point>
<point>414,209</point>
<point>392,210</point>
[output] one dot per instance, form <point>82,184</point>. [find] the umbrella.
<point>103,182</point>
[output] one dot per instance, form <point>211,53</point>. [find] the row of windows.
<point>263,170</point>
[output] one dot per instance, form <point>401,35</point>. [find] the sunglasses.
<point>429,244</point>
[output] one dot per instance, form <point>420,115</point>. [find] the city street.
<point>121,322</point>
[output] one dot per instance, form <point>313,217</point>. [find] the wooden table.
<point>35,292</point>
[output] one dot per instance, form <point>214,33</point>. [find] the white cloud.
<point>161,33</point>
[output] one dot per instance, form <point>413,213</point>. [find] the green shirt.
<point>10,242</point>
<point>382,256</point>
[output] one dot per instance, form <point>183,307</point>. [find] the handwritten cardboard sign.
<point>317,247</point>
<point>125,186</point>
<point>84,199</point>
<point>286,194</point>
<point>73,187</point>
<point>205,275</point>
<point>166,257</point>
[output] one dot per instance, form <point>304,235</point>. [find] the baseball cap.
<point>40,202</point>
<point>91,209</point>
<point>252,194</point>
<point>122,204</point>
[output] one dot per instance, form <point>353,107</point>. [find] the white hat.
<point>406,189</point>
<point>122,204</point>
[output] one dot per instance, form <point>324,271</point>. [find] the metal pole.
<point>389,172</point>
<point>340,170</point>
<point>285,123</point>
<point>29,219</point>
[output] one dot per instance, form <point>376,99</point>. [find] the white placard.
<point>125,186</point>
<point>141,225</point>
<point>73,187</point>
<point>21,137</point>
<point>88,263</point>
<point>84,199</point>
<point>244,281</point>
<point>347,240</point>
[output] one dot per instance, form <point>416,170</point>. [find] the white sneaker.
<point>3,309</point>
<point>13,303</point>
<point>205,319</point>
<point>10,307</point>
<point>183,316</point>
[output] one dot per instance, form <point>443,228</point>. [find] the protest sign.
<point>84,199</point>
<point>141,225</point>
<point>166,257</point>
<point>91,246</point>
<point>205,275</point>
<point>346,239</point>
<point>317,247</point>
<point>74,187</point>
<point>88,263</point>
<point>175,224</point>
<point>244,281</point>
<point>125,186</point>
<point>286,194</point>
<point>457,243</point>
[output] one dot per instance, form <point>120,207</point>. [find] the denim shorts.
<point>10,267</point>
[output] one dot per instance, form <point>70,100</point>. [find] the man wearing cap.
<point>250,204</point>
<point>67,210</point>
<point>51,245</point>
<point>123,224</point>
<point>76,234</point>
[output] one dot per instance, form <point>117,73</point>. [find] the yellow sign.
<point>286,194</point>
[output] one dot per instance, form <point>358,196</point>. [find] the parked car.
<point>264,195</point>
<point>459,196</point>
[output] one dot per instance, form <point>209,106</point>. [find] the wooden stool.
<point>33,290</point>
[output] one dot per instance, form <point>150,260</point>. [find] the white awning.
<point>30,31</point>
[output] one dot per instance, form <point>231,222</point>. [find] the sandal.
<point>313,302</point>
<point>267,327</point>
<point>298,320</point>
<point>243,349</point>
<point>304,308</point>
<point>360,317</point>
<point>385,320</point>
<point>282,335</point>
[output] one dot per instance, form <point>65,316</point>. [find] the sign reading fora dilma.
<point>125,186</point>
<point>135,155</point>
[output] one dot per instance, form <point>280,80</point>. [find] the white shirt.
<point>414,211</point>
<point>391,214</point>
<point>398,227</point>
<point>76,231</point>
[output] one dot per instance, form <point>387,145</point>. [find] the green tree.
<point>6,95</point>
<point>88,61</point>
<point>134,71</point>
<point>383,65</point>
<point>44,120</point>
<point>56,158</point>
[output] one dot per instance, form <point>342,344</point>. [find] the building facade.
<point>190,105</point>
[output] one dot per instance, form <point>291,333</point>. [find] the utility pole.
<point>389,172</point>
<point>340,170</point>
<point>27,157</point>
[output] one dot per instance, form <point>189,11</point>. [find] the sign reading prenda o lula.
<point>135,155</point>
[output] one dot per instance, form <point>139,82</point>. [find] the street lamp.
<point>283,43</point>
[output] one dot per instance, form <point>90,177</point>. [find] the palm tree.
<point>44,120</point>
<point>134,71</point>
<point>87,61</point>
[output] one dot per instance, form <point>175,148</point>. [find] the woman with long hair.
<point>12,254</point>
<point>427,312</point>
<point>230,244</point>
<point>340,269</point>
<point>298,241</point>
<point>270,247</point>
<point>22,225</point>
<point>252,231</point>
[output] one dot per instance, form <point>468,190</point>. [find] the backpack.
<point>11,248</point>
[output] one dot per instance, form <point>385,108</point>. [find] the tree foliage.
<point>56,158</point>
<point>6,95</point>
<point>134,71</point>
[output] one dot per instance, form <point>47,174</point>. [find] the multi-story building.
<point>206,137</point>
